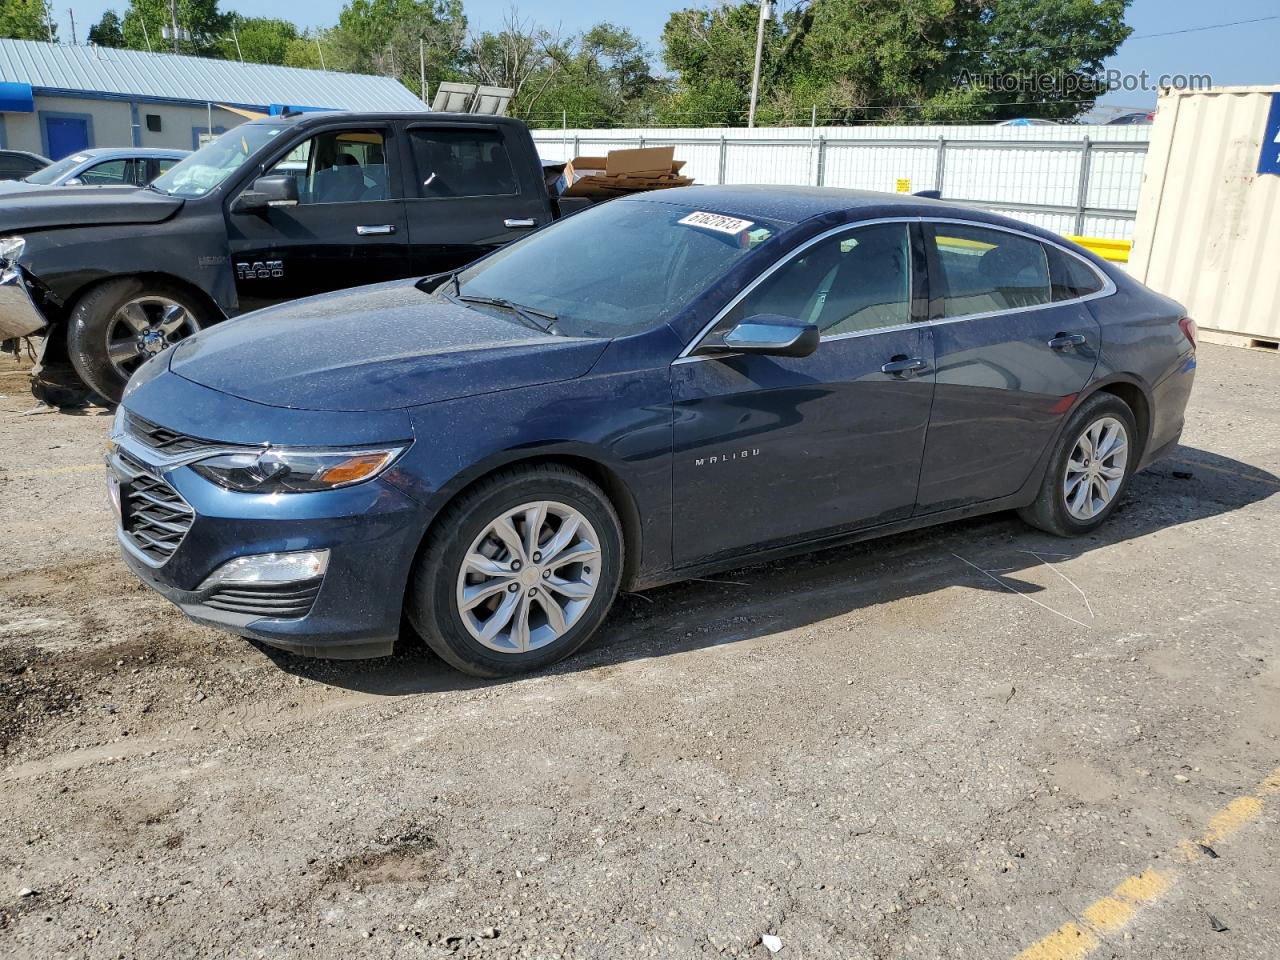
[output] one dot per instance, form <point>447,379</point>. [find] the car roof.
<point>797,204</point>
<point>99,152</point>
<point>25,153</point>
<point>312,117</point>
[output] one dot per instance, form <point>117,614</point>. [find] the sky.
<point>1245,54</point>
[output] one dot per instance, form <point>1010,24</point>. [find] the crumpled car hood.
<point>34,208</point>
<point>381,347</point>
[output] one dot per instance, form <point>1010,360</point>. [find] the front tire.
<point>518,573</point>
<point>1089,470</point>
<point>118,325</point>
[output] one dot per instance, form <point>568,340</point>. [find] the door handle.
<point>375,229</point>
<point>903,367</point>
<point>512,224</point>
<point>1064,340</point>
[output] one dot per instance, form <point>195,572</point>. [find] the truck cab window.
<point>461,163</point>
<point>338,166</point>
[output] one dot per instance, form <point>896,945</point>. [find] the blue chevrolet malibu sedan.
<point>660,386</point>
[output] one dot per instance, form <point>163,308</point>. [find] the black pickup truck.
<point>273,210</point>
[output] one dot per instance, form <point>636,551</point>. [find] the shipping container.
<point>1208,227</point>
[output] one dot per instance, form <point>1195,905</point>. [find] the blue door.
<point>65,135</point>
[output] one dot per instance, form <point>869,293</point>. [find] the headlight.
<point>295,471</point>
<point>11,247</point>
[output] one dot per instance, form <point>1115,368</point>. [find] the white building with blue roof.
<point>56,99</point>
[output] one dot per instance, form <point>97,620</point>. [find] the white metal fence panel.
<point>1071,179</point>
<point>877,166</point>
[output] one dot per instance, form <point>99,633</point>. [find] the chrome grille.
<point>280,601</point>
<point>169,442</point>
<point>154,516</point>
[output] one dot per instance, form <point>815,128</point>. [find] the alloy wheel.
<point>143,327</point>
<point>529,577</point>
<point>1096,468</point>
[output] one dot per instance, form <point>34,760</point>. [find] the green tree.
<point>145,22</point>
<point>601,78</point>
<point>384,37</point>
<point>257,39</point>
<point>27,20</point>
<point>108,31</point>
<point>894,60</point>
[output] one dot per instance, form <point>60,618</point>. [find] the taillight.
<point>1188,328</point>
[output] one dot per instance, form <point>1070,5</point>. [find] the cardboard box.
<point>622,171</point>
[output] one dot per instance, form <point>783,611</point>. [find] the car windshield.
<point>56,170</point>
<point>205,169</point>
<point>617,268</point>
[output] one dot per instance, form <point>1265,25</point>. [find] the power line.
<point>1141,36</point>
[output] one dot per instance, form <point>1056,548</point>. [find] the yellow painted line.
<point>51,471</point>
<point>1076,939</point>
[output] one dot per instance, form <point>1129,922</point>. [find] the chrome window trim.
<point>1108,285</point>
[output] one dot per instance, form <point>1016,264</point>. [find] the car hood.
<point>31,207</point>
<point>382,347</point>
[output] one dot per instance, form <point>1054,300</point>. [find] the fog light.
<point>270,568</point>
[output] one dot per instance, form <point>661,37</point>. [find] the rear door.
<point>347,229</point>
<point>1014,346</point>
<point>469,191</point>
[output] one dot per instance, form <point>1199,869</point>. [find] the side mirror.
<point>73,182</point>
<point>768,334</point>
<point>279,191</point>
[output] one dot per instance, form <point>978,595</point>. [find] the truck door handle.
<point>512,224</point>
<point>1064,340</point>
<point>375,229</point>
<point>903,366</point>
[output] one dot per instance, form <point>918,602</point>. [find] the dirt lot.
<point>968,742</point>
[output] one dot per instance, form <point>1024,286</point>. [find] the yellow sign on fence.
<point>904,186</point>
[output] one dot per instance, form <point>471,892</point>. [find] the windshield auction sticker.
<point>717,222</point>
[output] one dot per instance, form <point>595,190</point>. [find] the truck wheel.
<point>518,572</point>
<point>119,325</point>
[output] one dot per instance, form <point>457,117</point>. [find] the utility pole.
<point>146,35</point>
<point>72,14</point>
<point>321,52</point>
<point>766,13</point>
<point>173,14</point>
<point>422,68</point>
<point>239,55</point>
<point>48,21</point>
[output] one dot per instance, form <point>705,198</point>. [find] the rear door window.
<point>988,271</point>
<point>453,162</point>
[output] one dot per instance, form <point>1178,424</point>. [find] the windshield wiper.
<point>538,319</point>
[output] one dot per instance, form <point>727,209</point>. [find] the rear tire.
<point>115,327</point>
<point>1090,468</point>
<point>484,596</point>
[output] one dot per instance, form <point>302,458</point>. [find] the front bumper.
<point>371,531</point>
<point>19,316</point>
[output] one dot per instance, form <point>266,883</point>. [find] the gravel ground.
<point>948,744</point>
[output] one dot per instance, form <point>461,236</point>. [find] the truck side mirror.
<point>278,191</point>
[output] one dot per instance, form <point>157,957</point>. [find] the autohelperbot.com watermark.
<point>1066,82</point>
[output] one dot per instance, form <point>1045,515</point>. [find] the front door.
<point>771,450</point>
<point>65,136</point>
<point>465,197</point>
<point>1014,345</point>
<point>347,229</point>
